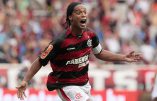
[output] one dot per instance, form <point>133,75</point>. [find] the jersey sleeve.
<point>96,46</point>
<point>47,54</point>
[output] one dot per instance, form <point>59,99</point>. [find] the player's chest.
<point>77,43</point>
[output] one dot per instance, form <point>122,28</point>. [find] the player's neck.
<point>76,31</point>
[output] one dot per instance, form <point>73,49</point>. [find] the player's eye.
<point>79,12</point>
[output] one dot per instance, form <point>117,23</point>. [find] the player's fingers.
<point>132,52</point>
<point>18,94</point>
<point>133,60</point>
<point>138,56</point>
<point>24,94</point>
<point>21,96</point>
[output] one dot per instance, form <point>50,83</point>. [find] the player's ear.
<point>70,18</point>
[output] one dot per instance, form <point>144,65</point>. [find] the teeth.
<point>83,19</point>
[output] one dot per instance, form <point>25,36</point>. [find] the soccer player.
<point>69,58</point>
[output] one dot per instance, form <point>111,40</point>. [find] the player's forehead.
<point>80,7</point>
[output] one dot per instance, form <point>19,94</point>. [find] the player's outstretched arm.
<point>35,67</point>
<point>109,56</point>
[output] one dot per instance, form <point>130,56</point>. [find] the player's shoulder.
<point>59,38</point>
<point>90,31</point>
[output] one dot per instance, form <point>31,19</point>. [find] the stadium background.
<point>27,26</point>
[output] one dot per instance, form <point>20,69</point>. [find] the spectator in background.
<point>36,21</point>
<point>3,82</point>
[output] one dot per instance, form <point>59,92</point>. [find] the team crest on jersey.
<point>46,52</point>
<point>89,42</point>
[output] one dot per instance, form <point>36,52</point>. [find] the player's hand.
<point>133,57</point>
<point>21,90</point>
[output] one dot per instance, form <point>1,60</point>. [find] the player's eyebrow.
<point>78,9</point>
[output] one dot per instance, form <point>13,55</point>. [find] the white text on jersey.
<point>78,60</point>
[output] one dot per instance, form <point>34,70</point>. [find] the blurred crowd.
<point>27,26</point>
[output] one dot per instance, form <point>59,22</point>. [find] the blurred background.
<point>27,26</point>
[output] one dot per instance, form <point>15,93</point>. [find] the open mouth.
<point>83,21</point>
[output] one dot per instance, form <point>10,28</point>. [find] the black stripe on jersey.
<point>95,41</point>
<point>58,85</point>
<point>71,74</point>
<point>78,46</point>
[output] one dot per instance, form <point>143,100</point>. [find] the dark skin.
<point>154,99</point>
<point>79,13</point>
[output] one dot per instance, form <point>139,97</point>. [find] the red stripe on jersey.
<point>75,40</point>
<point>51,79</point>
<point>64,95</point>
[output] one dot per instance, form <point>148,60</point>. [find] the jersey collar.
<point>69,33</point>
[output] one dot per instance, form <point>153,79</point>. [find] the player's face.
<point>79,17</point>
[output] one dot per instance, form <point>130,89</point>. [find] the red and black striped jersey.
<point>69,58</point>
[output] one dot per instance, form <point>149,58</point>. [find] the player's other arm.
<point>35,67</point>
<point>109,56</point>
<point>105,55</point>
<point>42,60</point>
